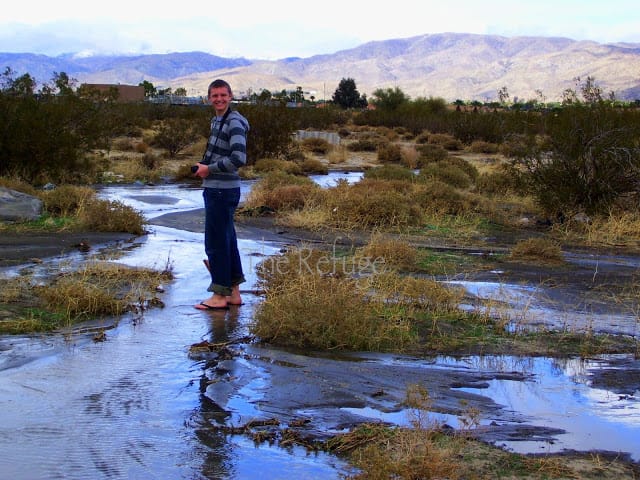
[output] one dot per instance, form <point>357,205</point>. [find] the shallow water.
<point>132,406</point>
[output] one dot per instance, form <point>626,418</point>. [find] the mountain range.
<point>447,65</point>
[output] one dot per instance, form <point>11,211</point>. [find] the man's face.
<point>219,98</point>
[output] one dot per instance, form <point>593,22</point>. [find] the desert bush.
<point>464,165</point>
<point>175,134</point>
<point>101,289</point>
<point>409,157</point>
<point>265,165</point>
<point>390,172</point>
<point>271,129</point>
<point>287,197</point>
<point>422,138</point>
<point>316,145</point>
<point>373,203</point>
<point>613,230</point>
<point>537,250</point>
<point>445,172</point>
<point>480,146</point>
<point>338,155</point>
<point>123,144</point>
<point>437,197</point>
<point>111,216</point>
<point>364,145</point>
<point>14,183</point>
<point>295,152</point>
<point>447,141</point>
<point>66,200</point>
<point>142,147</point>
<point>150,161</point>
<point>344,132</point>
<point>590,159</point>
<point>279,190</point>
<point>396,254</point>
<point>313,165</point>
<point>430,153</point>
<point>389,153</point>
<point>486,126</point>
<point>46,139</point>
<point>499,182</point>
<point>311,302</point>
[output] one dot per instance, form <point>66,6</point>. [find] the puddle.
<point>132,406</point>
<point>530,307</point>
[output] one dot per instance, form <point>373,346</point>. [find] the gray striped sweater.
<point>228,153</point>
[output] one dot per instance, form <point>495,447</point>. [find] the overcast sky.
<point>274,29</point>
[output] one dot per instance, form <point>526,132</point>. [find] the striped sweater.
<point>226,151</point>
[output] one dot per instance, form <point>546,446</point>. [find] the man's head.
<point>220,95</point>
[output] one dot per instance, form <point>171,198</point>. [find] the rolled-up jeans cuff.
<point>219,289</point>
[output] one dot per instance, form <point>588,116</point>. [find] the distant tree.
<point>24,85</point>
<point>265,96</point>
<point>591,92</point>
<point>503,95</point>
<point>180,92</point>
<point>63,83</point>
<point>389,99</point>
<point>149,89</point>
<point>347,95</point>
<point>175,134</point>
<point>298,95</point>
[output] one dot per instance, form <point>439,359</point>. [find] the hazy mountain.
<point>448,65</point>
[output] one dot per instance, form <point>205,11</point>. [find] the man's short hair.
<point>219,83</point>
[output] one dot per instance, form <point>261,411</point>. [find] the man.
<point>226,152</point>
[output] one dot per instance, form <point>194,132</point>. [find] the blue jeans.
<point>220,241</point>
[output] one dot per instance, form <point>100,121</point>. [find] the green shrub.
<point>428,153</point>
<point>390,172</point>
<point>590,159</point>
<point>501,182</point>
<point>265,165</point>
<point>448,142</point>
<point>437,197</point>
<point>450,174</point>
<point>175,134</point>
<point>373,203</point>
<point>464,165</point>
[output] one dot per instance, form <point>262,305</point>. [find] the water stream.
<point>131,406</point>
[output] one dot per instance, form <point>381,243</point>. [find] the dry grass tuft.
<point>314,300</point>
<point>265,165</point>
<point>395,253</point>
<point>101,289</point>
<point>538,250</point>
<point>67,200</point>
<point>111,216</point>
<point>618,229</point>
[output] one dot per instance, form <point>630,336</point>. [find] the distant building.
<point>126,93</point>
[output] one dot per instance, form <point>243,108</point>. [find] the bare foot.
<point>215,302</point>
<point>234,298</point>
